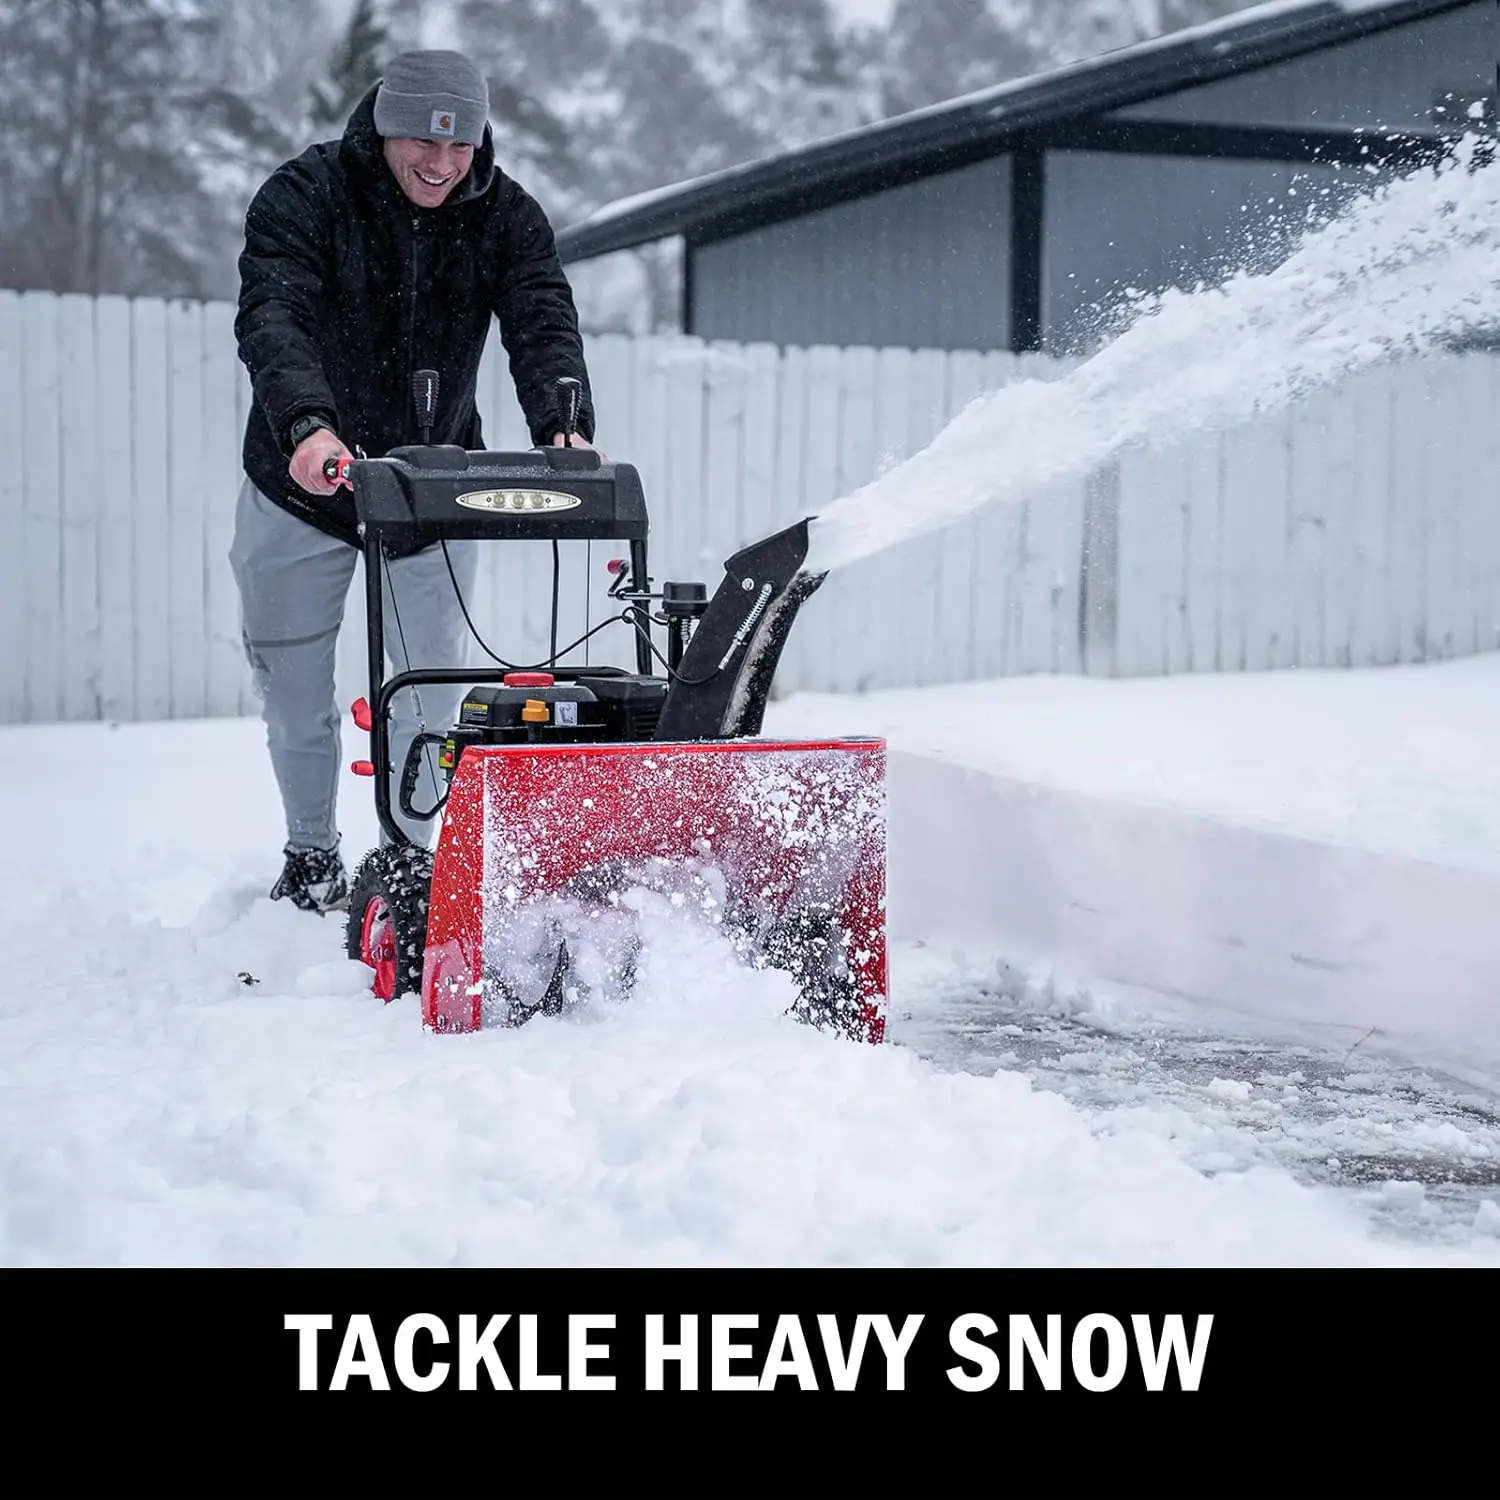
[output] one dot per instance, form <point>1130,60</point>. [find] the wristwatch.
<point>304,427</point>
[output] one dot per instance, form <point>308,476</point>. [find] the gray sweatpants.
<point>293,581</point>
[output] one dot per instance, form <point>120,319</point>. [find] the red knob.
<point>363,767</point>
<point>364,716</point>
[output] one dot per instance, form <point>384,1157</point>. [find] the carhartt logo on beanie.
<point>438,96</point>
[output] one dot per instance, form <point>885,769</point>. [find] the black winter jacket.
<point>347,287</point>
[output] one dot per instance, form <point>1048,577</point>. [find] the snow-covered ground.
<point>193,1075</point>
<point>1196,971</point>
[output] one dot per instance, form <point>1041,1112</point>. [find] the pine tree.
<point>357,62</point>
<point>547,62</point>
<point>131,147</point>
<point>937,52</point>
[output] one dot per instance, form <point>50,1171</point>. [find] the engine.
<point>598,705</point>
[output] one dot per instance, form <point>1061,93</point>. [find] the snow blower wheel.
<point>387,926</point>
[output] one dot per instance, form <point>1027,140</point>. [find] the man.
<point>366,259</point>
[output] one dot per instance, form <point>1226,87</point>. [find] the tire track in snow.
<point>1416,1146</point>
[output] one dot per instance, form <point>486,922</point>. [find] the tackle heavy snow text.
<point>744,1352</point>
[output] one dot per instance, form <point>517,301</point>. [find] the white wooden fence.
<point>1361,527</point>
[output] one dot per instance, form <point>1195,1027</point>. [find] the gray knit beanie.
<point>433,96</point>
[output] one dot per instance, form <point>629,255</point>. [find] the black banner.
<point>709,1382</point>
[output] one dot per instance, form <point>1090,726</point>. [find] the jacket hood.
<point>361,146</point>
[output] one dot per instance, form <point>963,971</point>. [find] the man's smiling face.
<point>427,170</point>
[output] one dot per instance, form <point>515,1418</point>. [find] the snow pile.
<point>1393,760</point>
<point>1317,849</point>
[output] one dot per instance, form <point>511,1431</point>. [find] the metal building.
<point>1019,217</point>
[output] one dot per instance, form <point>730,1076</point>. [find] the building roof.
<point>974,126</point>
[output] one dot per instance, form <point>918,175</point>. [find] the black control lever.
<point>424,393</point>
<point>569,400</point>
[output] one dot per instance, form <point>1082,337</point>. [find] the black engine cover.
<point>586,708</point>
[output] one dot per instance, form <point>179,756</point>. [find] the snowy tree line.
<point>136,130</point>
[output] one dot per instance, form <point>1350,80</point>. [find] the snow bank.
<point>1317,848</point>
<point>1288,928</point>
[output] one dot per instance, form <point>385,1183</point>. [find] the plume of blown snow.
<point>1402,271</point>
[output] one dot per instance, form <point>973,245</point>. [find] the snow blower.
<point>572,797</point>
